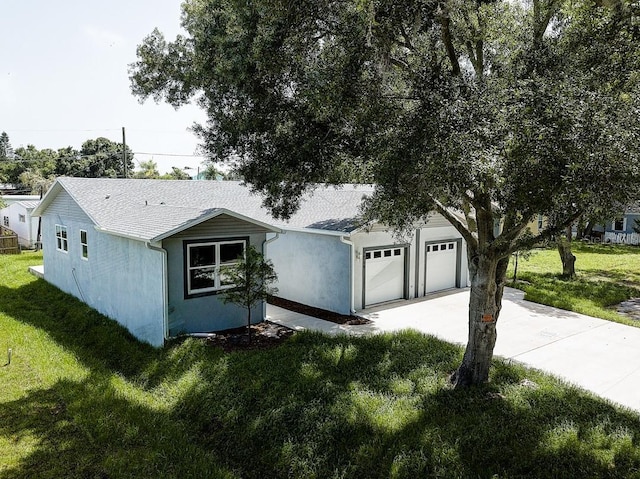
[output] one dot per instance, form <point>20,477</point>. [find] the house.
<point>148,253</point>
<point>151,253</point>
<point>18,216</point>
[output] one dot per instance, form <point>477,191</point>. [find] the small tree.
<point>254,277</point>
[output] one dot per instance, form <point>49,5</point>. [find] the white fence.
<point>622,238</point>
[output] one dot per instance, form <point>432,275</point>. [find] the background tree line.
<point>33,170</point>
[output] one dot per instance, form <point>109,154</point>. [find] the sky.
<point>64,78</point>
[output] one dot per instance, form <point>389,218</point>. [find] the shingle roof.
<point>149,209</point>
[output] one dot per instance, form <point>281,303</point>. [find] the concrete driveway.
<point>595,354</point>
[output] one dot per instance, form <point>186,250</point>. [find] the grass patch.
<point>606,275</point>
<point>83,399</point>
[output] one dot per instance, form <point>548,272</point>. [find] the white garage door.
<point>384,275</point>
<point>440,268</point>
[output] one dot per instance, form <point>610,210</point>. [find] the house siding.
<point>223,225</point>
<point>208,312</point>
<point>121,278</point>
<point>64,206</point>
<point>313,269</point>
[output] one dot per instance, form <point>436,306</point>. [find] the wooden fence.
<point>8,241</point>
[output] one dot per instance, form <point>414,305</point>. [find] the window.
<point>84,244</point>
<point>540,223</point>
<point>62,243</point>
<point>618,224</point>
<point>206,264</point>
<point>22,219</point>
<point>5,221</point>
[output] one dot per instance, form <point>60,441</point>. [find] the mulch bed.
<point>317,312</point>
<point>267,335</point>
<point>264,335</point>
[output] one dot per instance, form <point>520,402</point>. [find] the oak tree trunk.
<point>566,256</point>
<point>487,286</point>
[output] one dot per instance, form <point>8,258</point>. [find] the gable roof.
<point>28,205</point>
<point>152,210</point>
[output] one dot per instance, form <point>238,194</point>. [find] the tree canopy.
<point>499,110</point>
<point>36,169</point>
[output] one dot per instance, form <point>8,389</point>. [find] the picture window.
<point>206,264</point>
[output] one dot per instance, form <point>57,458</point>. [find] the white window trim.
<point>217,266</point>
<point>5,221</point>
<point>624,224</point>
<point>84,245</point>
<point>64,241</point>
<point>22,218</point>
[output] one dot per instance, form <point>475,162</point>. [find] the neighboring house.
<point>18,216</point>
<point>625,222</point>
<point>151,253</point>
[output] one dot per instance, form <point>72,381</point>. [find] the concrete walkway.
<point>598,355</point>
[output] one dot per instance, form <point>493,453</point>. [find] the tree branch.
<point>457,224</point>
<point>445,24</point>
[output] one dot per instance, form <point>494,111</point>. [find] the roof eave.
<point>216,213</point>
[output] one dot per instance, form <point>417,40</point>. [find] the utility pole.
<point>124,153</point>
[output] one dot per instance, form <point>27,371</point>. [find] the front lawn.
<point>83,399</point>
<point>606,275</point>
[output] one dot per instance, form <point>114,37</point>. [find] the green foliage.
<point>35,169</point>
<point>148,171</point>
<point>83,399</point>
<point>253,277</point>
<point>176,174</point>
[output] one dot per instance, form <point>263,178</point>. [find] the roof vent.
<point>107,197</point>
<point>162,202</point>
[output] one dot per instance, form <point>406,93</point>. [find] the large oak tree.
<point>500,110</point>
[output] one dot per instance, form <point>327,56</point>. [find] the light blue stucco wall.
<point>204,313</point>
<point>313,269</point>
<point>122,279</point>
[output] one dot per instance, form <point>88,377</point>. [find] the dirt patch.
<point>317,312</point>
<point>630,308</point>
<point>264,335</point>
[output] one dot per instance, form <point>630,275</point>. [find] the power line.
<point>167,154</point>
<point>56,130</point>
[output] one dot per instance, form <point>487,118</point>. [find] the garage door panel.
<point>384,275</point>
<point>441,265</point>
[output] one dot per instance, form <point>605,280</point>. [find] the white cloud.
<point>103,38</point>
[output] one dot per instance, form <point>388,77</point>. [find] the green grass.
<point>83,399</point>
<point>606,275</point>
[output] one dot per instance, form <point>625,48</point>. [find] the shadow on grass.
<point>316,406</point>
<point>606,248</point>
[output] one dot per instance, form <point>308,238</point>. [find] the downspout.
<point>264,253</point>
<point>165,289</point>
<point>352,294</point>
